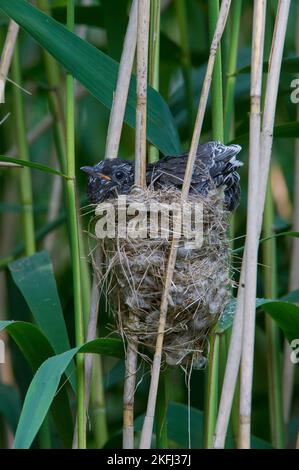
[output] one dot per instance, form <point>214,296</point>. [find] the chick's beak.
<point>105,177</point>
<point>92,171</point>
<point>89,170</point>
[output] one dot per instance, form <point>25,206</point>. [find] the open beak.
<point>90,170</point>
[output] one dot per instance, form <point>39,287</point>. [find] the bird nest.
<point>135,269</point>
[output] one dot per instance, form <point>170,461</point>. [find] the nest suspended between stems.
<point>135,271</point>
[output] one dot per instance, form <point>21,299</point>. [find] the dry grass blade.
<point>6,56</point>
<point>147,429</point>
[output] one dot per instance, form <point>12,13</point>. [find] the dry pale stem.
<point>142,66</point>
<point>256,204</point>
<point>148,422</point>
<point>128,400</point>
<point>247,285</point>
<point>6,56</point>
<point>122,87</point>
<point>143,18</point>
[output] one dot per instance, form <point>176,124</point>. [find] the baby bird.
<point>215,167</point>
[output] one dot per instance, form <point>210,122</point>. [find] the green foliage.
<point>10,405</point>
<point>44,386</point>
<point>95,70</point>
<point>34,166</point>
<point>36,349</point>
<point>43,282</point>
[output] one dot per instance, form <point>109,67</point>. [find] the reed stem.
<point>26,192</point>
<point>74,239</point>
<point>154,59</point>
<point>147,428</point>
<point>235,347</point>
<point>25,173</point>
<point>212,371</point>
<point>6,56</point>
<point>288,366</point>
<point>265,150</point>
<point>272,332</point>
<point>231,68</point>
<point>211,392</point>
<point>161,413</point>
<point>216,85</point>
<point>122,87</point>
<point>274,366</point>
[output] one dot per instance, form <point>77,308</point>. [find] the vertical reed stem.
<point>273,343</point>
<point>274,368</point>
<point>262,173</point>
<point>216,85</point>
<point>161,413</point>
<point>252,235</point>
<point>211,381</point>
<point>26,191</point>
<point>140,172</point>
<point>75,253</point>
<point>147,428</point>
<point>141,99</point>
<point>154,59</point>
<point>122,86</point>
<point>231,68</point>
<point>211,392</point>
<point>288,366</point>
<point>6,56</point>
<point>25,174</point>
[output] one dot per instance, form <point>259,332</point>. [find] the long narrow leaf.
<point>286,315</point>
<point>36,349</point>
<point>44,385</point>
<point>32,165</point>
<point>34,277</point>
<point>95,70</point>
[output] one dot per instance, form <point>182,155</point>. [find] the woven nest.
<point>135,271</point>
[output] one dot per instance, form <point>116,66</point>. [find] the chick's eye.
<point>119,175</point>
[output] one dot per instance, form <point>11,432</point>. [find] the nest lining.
<point>135,271</point>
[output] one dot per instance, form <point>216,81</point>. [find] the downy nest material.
<point>135,271</point>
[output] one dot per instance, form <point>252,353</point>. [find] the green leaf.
<point>95,70</point>
<point>34,277</point>
<point>115,25</point>
<point>285,314</point>
<point>44,385</point>
<point>34,166</point>
<point>10,405</point>
<point>31,341</point>
<point>37,349</point>
<point>227,317</point>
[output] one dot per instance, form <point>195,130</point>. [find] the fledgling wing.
<point>215,166</point>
